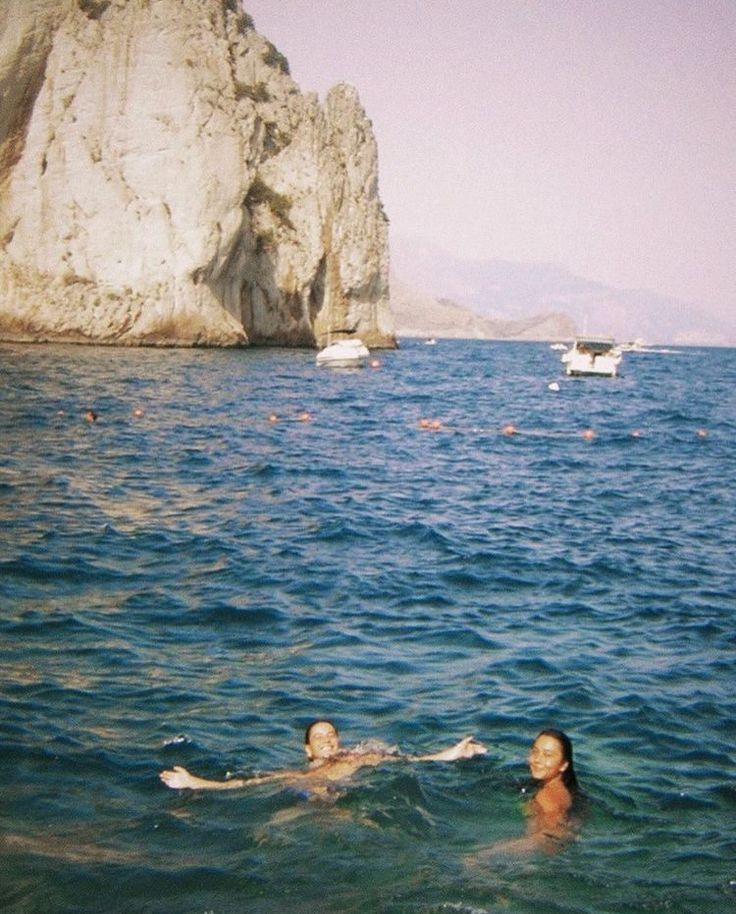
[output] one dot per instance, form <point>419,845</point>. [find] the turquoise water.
<point>193,585</point>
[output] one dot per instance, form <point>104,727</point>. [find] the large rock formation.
<point>164,182</point>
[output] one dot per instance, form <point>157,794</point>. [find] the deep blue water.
<point>193,585</point>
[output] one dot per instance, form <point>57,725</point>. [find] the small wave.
<point>370,746</point>
<point>236,616</point>
<point>72,570</point>
<point>180,740</point>
<point>454,907</point>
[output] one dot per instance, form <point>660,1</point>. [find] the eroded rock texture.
<point>163,181</point>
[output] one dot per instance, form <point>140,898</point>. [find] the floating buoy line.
<point>509,430</point>
<point>435,424</point>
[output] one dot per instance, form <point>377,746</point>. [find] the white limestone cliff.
<point>163,181</point>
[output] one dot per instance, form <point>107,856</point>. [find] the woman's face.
<point>323,741</point>
<point>546,759</point>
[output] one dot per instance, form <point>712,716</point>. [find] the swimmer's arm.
<point>547,839</point>
<point>546,835</point>
<point>516,847</point>
<point>179,778</point>
<point>466,748</point>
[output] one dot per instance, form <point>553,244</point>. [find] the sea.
<point>243,542</point>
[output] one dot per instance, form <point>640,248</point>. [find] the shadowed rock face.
<point>163,181</point>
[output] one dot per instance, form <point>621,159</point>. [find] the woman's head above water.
<point>551,757</point>
<point>321,740</point>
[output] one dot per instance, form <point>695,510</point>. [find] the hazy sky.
<point>597,134</point>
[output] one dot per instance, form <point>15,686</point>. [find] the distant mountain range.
<point>416,313</point>
<point>434,294</point>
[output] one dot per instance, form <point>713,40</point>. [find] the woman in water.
<point>328,762</point>
<point>551,765</point>
<point>549,824</point>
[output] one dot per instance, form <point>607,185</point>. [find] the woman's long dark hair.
<point>568,775</point>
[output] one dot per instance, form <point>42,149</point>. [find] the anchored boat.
<point>343,354</point>
<point>592,355</point>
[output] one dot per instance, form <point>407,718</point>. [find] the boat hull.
<point>343,354</point>
<point>582,369</point>
<point>592,358</point>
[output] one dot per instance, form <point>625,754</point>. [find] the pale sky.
<point>596,134</point>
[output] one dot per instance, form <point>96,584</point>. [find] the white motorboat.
<point>560,347</point>
<point>343,354</point>
<point>636,345</point>
<point>592,355</point>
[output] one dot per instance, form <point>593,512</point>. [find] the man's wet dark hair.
<point>568,775</point>
<point>319,720</point>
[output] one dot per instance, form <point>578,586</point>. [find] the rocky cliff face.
<point>163,181</point>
